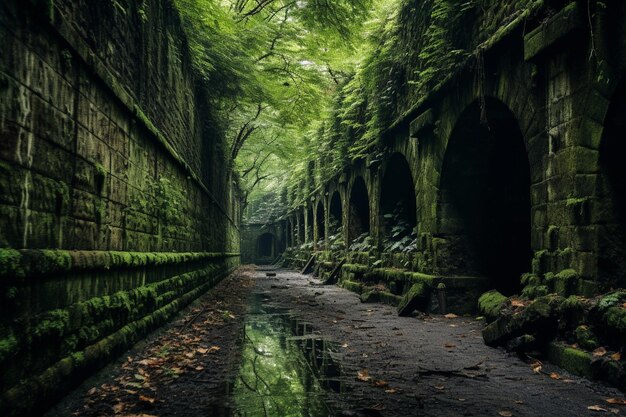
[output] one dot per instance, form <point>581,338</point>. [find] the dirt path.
<point>389,365</point>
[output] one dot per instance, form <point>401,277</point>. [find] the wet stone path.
<point>289,346</point>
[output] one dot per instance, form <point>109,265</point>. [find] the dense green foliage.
<point>304,88</point>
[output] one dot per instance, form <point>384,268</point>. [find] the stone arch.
<point>321,220</point>
<point>266,248</point>
<point>335,212</point>
<point>611,193</point>
<point>358,209</point>
<point>397,198</point>
<point>484,197</point>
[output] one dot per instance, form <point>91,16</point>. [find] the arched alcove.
<point>484,197</point>
<point>359,211</point>
<point>335,214</point>
<point>321,235</point>
<point>266,248</point>
<point>301,235</point>
<point>612,194</point>
<point>397,199</point>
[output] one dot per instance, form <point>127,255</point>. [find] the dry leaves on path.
<point>451,316</point>
<point>599,352</point>
<point>505,413</point>
<point>363,375</point>
<point>619,401</point>
<point>536,366</point>
<point>602,409</point>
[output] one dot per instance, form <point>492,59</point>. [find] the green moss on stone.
<point>10,263</point>
<point>585,338</point>
<point>491,303</point>
<point>615,320</point>
<point>573,360</point>
<point>530,279</point>
<point>8,346</point>
<point>53,324</point>
<point>573,311</point>
<point>533,291</point>
<point>416,298</point>
<point>612,299</point>
<point>356,287</point>
<point>564,283</point>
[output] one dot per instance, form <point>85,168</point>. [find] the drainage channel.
<point>286,369</point>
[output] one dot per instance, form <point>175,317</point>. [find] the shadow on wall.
<point>612,194</point>
<point>359,211</point>
<point>484,198</point>
<point>266,248</point>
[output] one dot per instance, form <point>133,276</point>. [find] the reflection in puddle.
<point>285,368</point>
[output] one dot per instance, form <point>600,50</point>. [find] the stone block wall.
<point>551,75</point>
<point>117,207</point>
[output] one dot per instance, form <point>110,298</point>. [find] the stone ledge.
<point>41,390</point>
<point>562,25</point>
<point>23,263</point>
<point>422,122</point>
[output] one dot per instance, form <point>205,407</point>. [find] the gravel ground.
<point>389,365</point>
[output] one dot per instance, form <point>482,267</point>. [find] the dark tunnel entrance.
<point>321,235</point>
<point>300,226</point>
<point>612,194</point>
<point>266,248</point>
<point>397,203</point>
<point>484,198</point>
<point>359,213</point>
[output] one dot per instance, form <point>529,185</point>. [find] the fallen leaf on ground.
<point>345,345</point>
<point>519,402</point>
<point>92,391</point>
<point>620,401</point>
<point>381,383</point>
<point>616,356</point>
<point>451,316</point>
<point>146,399</point>
<point>597,408</point>
<point>536,366</point>
<point>599,351</point>
<point>363,375</point>
<point>449,345</point>
<point>517,303</point>
<point>213,349</point>
<point>391,391</point>
<point>439,387</point>
<point>554,375</point>
<point>461,399</point>
<point>202,351</point>
<point>505,413</point>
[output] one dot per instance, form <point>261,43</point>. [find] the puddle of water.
<point>285,369</point>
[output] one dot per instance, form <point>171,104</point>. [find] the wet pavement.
<point>286,345</point>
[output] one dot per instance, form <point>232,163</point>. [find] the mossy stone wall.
<point>117,206</point>
<point>556,68</point>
